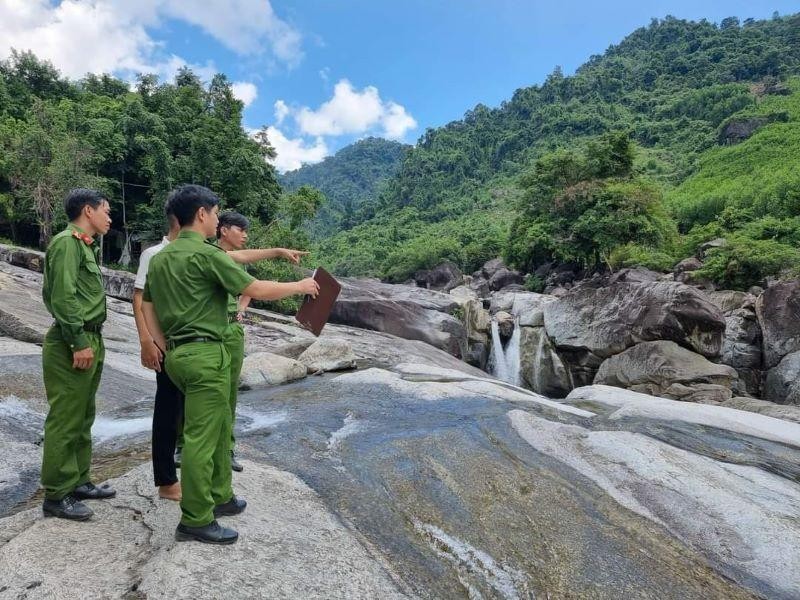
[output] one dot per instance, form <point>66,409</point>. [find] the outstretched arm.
<point>274,290</point>
<point>251,255</point>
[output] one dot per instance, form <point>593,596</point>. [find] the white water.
<point>504,362</point>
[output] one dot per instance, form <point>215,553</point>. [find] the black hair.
<point>185,200</point>
<point>78,198</point>
<point>232,219</point>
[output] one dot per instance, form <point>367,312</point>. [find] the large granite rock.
<point>541,369</point>
<point>263,369</point>
<point>787,412</point>
<point>741,348</point>
<point>593,322</point>
<point>782,382</point>
<point>290,546</point>
<point>405,311</point>
<point>443,277</point>
<point>731,300</point>
<point>665,369</point>
<point>527,307</point>
<point>778,310</point>
<point>328,354</point>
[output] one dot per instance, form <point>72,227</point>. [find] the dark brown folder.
<point>314,312</point>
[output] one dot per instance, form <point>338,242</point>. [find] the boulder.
<point>782,382</point>
<point>477,321</point>
<point>711,245</point>
<point>328,355</point>
<point>528,307</point>
<point>118,284</point>
<point>444,277</point>
<point>405,311</point>
<point>463,294</point>
<point>635,275</point>
<point>787,412</point>
<point>477,355</point>
<point>688,264</point>
<point>663,368</point>
<point>505,277</point>
<point>33,260</point>
<point>593,322</point>
<point>741,348</point>
<point>731,300</point>
<point>541,369</point>
<point>489,268</point>
<point>264,369</point>
<point>505,323</point>
<point>778,310</point>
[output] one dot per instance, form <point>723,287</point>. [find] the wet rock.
<point>665,369</point>
<point>328,355</point>
<point>263,369</point>
<point>782,382</point>
<point>778,311</point>
<point>541,369</point>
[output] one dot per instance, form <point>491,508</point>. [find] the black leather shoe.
<point>213,533</point>
<point>89,491</point>
<point>177,458</point>
<point>68,507</point>
<point>235,463</point>
<point>234,506</point>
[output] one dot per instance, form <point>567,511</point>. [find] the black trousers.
<point>167,419</point>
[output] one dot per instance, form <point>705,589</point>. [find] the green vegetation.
<point>711,148</point>
<point>354,175</point>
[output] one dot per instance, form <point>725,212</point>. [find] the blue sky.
<point>323,73</point>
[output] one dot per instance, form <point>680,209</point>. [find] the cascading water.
<point>504,363</point>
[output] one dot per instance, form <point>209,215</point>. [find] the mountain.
<point>350,177</point>
<point>672,86</point>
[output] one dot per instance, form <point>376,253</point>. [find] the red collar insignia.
<point>85,238</point>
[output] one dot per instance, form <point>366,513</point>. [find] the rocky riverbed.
<point>410,475</point>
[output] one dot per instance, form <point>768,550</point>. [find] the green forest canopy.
<point>665,99</point>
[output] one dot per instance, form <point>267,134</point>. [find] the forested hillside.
<point>136,145</point>
<point>354,175</point>
<point>671,87</point>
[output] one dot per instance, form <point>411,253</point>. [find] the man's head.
<point>172,220</point>
<point>89,209</point>
<point>232,229</point>
<point>195,206</point>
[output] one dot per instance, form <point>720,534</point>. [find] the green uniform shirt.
<point>73,286</point>
<point>233,301</point>
<point>189,283</point>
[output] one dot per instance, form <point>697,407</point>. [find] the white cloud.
<point>350,111</point>
<point>245,91</point>
<point>294,153</point>
<point>244,26</point>
<point>396,122</point>
<point>281,111</point>
<point>110,36</point>
<point>325,73</point>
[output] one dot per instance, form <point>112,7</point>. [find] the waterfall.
<point>504,362</point>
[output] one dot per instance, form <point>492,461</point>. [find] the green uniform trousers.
<point>234,344</point>
<point>201,370</point>
<point>70,392</point>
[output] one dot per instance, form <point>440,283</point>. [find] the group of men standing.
<point>189,324</point>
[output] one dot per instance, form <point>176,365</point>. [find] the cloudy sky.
<point>324,73</point>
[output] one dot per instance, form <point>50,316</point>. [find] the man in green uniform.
<point>72,356</point>
<point>232,236</point>
<point>185,304</point>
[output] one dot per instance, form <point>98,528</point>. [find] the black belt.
<point>172,344</point>
<point>93,327</point>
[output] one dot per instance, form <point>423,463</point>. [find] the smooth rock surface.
<point>782,383</point>
<point>778,310</point>
<point>290,546</point>
<point>328,355</point>
<point>262,369</point>
<point>666,369</point>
